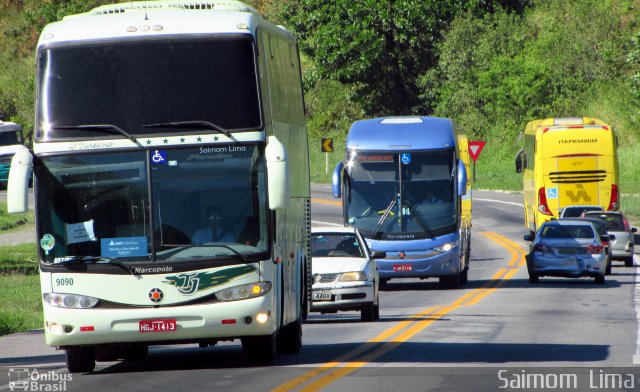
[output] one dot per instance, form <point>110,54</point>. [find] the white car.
<point>345,276</point>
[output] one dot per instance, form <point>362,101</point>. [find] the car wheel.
<point>80,359</point>
<point>384,281</point>
<point>367,312</point>
<point>607,270</point>
<point>600,279</point>
<point>533,278</point>
<point>628,262</point>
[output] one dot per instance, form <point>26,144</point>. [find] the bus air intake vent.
<point>219,5</point>
<point>576,177</point>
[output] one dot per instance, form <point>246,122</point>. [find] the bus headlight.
<point>244,291</point>
<point>70,301</point>
<point>445,247</point>
<point>352,276</point>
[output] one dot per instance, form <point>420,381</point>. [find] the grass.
<point>20,303</point>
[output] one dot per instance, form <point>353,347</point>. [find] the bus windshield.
<point>129,84</point>
<point>401,193</point>
<point>148,205</point>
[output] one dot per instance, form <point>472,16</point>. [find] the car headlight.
<point>244,291</point>
<point>71,301</point>
<point>352,276</point>
<point>446,247</point>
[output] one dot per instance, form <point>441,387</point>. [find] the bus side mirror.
<point>462,178</point>
<point>277,174</point>
<point>519,165</point>
<point>18,184</point>
<point>336,182</point>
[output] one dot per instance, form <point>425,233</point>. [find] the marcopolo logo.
<point>33,380</point>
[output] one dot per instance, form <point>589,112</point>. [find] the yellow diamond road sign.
<point>327,145</point>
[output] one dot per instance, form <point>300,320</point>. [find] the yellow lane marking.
<point>325,201</point>
<point>404,330</point>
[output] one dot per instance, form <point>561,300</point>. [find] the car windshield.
<point>153,205</point>
<point>335,245</point>
<point>612,221</point>
<point>566,232</point>
<point>574,212</point>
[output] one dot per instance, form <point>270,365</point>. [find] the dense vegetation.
<point>491,65</point>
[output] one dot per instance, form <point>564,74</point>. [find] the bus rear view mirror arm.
<point>18,184</point>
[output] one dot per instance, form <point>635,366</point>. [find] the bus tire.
<point>80,359</point>
<point>259,349</point>
<point>533,278</point>
<point>136,353</point>
<point>451,281</point>
<point>289,340</point>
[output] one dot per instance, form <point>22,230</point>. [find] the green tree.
<point>381,47</point>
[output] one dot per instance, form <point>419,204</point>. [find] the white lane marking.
<point>500,201</point>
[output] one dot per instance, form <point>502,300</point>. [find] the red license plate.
<point>402,267</point>
<point>164,325</point>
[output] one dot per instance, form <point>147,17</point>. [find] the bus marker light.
<point>87,328</point>
<point>228,321</point>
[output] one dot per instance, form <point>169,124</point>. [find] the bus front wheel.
<point>80,359</point>
<point>289,340</point>
<point>259,349</point>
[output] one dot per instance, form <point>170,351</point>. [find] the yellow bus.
<point>564,162</point>
<point>463,149</point>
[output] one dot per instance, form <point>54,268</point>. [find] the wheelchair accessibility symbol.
<point>405,158</point>
<point>552,193</point>
<point>159,157</point>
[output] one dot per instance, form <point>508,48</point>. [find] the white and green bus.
<point>149,115</point>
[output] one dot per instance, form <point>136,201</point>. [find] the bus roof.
<point>561,123</point>
<point>144,19</point>
<point>402,133</point>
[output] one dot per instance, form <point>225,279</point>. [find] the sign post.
<point>475,148</point>
<point>327,147</point>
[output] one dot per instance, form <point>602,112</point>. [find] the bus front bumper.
<point>442,264</point>
<point>189,323</point>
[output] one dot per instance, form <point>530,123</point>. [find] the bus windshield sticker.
<point>47,242</point>
<point>123,247</point>
<point>80,232</point>
<point>405,158</point>
<point>159,157</point>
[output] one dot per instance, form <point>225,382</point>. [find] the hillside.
<point>491,65</point>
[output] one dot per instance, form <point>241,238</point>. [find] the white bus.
<point>149,115</point>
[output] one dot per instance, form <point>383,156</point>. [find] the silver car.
<point>617,224</point>
<point>566,248</point>
<point>577,211</point>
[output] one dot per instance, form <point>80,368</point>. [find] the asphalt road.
<point>497,331</point>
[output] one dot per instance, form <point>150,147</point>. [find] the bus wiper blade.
<point>182,124</point>
<point>421,221</point>
<point>235,252</point>
<point>93,260</point>
<point>101,127</point>
<point>383,217</point>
